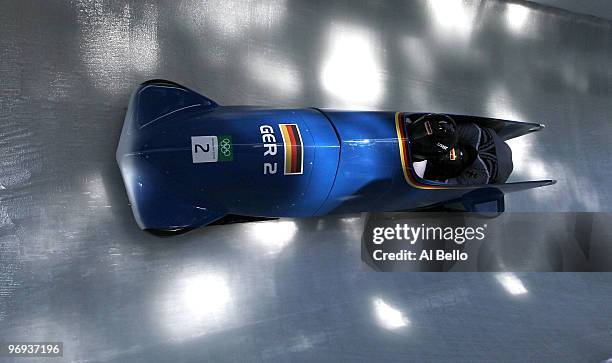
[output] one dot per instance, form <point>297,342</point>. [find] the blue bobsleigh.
<point>187,162</point>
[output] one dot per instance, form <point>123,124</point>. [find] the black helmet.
<point>432,135</point>
<point>451,164</point>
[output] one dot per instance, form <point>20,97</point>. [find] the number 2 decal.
<point>204,149</point>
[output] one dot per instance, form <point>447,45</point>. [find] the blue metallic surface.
<point>352,161</point>
<point>168,191</point>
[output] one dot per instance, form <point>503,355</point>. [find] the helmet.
<point>451,164</point>
<point>432,136</point>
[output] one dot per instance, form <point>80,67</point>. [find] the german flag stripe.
<point>405,158</point>
<point>294,148</point>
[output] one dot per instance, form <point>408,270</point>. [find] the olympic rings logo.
<point>225,147</point>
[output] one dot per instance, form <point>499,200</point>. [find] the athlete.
<point>458,153</point>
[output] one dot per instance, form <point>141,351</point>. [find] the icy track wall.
<point>68,239</point>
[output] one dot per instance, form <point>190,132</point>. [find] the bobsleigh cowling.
<point>187,161</point>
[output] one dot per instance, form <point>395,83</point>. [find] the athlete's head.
<point>432,135</point>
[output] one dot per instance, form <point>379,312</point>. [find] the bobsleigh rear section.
<point>375,168</point>
<point>187,161</point>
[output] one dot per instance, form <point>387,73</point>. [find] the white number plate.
<point>204,149</point>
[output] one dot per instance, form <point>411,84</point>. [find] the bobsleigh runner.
<point>186,161</point>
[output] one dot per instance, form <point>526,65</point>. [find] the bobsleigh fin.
<point>506,129</point>
<point>487,198</point>
<point>159,100</point>
<point>523,185</point>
